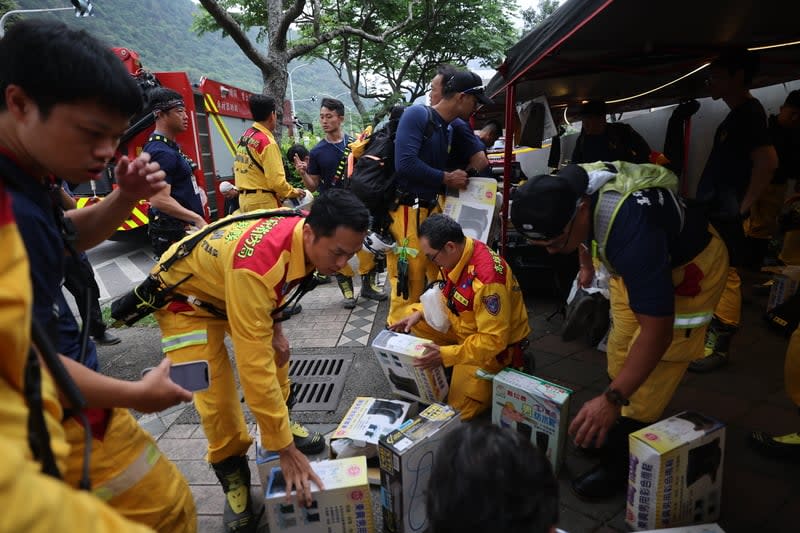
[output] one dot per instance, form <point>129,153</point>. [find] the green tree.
<point>532,16</point>
<point>319,20</point>
<point>441,31</point>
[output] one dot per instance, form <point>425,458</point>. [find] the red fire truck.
<point>218,114</point>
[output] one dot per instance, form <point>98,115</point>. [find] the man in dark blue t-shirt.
<point>660,251</point>
<point>327,169</point>
<point>179,206</point>
<point>421,160</point>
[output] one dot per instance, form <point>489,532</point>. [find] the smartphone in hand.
<point>192,376</point>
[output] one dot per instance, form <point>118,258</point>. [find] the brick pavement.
<point>758,494</point>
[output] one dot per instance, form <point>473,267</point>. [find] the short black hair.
<point>296,150</point>
<point>261,106</point>
<point>337,207</point>
<point>158,97</point>
<point>485,479</point>
<point>56,64</point>
<point>334,105</point>
<point>737,59</point>
<point>440,229</point>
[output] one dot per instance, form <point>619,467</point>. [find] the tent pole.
<point>511,127</point>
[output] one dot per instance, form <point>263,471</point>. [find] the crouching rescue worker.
<point>234,281</point>
<point>668,271</point>
<point>488,320</point>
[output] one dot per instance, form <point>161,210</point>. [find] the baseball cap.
<point>543,206</point>
<point>593,108</point>
<point>793,99</point>
<point>467,82</point>
<point>226,186</point>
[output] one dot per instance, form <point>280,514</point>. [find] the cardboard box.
<point>784,286</point>
<point>343,506</point>
<point>704,528</point>
<point>406,457</point>
<point>675,475</point>
<point>396,353</point>
<point>534,407</point>
<point>369,418</point>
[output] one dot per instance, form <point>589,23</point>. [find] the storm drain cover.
<point>318,380</point>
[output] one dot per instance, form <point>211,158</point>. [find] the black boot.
<point>370,288</point>
<point>234,475</point>
<point>610,477</point>
<point>346,286</point>
<point>718,342</point>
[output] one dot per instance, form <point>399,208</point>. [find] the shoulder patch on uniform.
<point>492,303</point>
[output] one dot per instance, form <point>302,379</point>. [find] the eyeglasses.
<point>433,257</point>
<point>474,90</point>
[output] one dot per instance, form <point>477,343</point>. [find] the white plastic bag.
<point>434,309</point>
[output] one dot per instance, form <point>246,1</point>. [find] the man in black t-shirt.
<point>740,166</point>
<point>601,141</point>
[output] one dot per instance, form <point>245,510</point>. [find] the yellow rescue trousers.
<point>692,316</point>
<point>219,407</point>
<point>130,474</point>
<point>404,229</point>
<point>791,368</point>
<point>251,201</point>
<point>729,308</point>
<point>763,220</point>
<point>366,264</point>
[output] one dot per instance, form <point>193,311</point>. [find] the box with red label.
<point>675,473</point>
<point>396,353</point>
<point>533,407</point>
<point>406,456</point>
<point>344,505</point>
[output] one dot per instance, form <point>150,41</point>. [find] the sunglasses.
<point>478,89</point>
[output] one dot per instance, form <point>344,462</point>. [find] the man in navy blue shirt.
<point>421,160</point>
<point>670,269</point>
<point>180,205</point>
<point>327,169</point>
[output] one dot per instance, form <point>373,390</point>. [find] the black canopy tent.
<point>636,54</point>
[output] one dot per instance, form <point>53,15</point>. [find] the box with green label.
<point>675,472</point>
<point>533,407</point>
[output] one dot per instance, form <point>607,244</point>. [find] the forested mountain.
<point>160,31</point>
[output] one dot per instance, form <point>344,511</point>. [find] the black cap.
<point>543,206</point>
<point>793,99</point>
<point>467,82</point>
<point>594,108</point>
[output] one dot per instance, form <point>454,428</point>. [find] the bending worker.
<point>234,281</point>
<point>668,272</point>
<point>488,328</point>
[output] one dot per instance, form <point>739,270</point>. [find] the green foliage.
<point>160,31</point>
<point>532,16</point>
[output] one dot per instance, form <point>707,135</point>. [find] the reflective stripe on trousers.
<point>192,338</point>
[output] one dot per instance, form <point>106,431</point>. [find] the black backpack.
<point>373,179</point>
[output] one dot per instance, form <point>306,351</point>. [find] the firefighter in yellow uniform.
<point>34,501</point>
<point>234,281</point>
<point>669,270</point>
<point>258,166</point>
<point>488,328</point>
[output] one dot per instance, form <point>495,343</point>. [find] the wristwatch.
<point>614,396</point>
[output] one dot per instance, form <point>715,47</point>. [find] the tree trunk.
<point>275,79</point>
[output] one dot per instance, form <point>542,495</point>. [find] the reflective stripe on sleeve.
<point>192,338</point>
<point>131,475</point>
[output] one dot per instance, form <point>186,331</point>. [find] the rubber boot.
<point>234,475</point>
<point>370,288</point>
<point>346,286</point>
<point>718,341</point>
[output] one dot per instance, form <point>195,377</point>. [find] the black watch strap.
<point>616,397</point>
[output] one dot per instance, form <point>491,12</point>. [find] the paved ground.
<point>758,494</point>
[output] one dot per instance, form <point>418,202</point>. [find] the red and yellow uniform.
<point>488,320</point>
<point>244,269</point>
<point>34,501</point>
<point>258,171</point>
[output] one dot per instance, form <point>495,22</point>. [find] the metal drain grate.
<point>318,380</point>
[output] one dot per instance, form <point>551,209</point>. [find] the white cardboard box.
<point>369,418</point>
<point>784,286</point>
<point>703,528</point>
<point>675,476</point>
<point>534,407</point>
<point>406,458</point>
<point>344,505</point>
<point>396,353</point>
